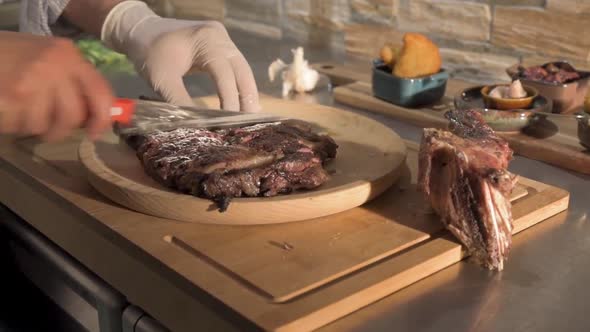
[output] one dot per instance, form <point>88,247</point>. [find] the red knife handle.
<point>122,110</point>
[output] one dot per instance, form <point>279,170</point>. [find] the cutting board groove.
<point>180,244</point>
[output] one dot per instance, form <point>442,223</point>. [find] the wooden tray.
<point>369,160</point>
<point>284,277</point>
<point>559,148</point>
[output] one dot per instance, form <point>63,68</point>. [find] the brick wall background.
<point>478,38</point>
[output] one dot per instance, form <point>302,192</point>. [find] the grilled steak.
<point>554,72</point>
<point>260,160</point>
<point>463,174</point>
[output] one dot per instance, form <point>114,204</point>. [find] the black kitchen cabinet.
<point>73,297</point>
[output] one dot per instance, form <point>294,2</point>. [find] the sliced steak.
<point>463,174</point>
<point>260,160</point>
<point>550,74</point>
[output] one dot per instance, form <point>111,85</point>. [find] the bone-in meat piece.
<point>463,174</point>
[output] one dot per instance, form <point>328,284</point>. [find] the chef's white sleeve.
<point>41,17</point>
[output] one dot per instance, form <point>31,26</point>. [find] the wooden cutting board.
<point>342,74</point>
<point>369,160</point>
<point>283,277</point>
<point>558,146</point>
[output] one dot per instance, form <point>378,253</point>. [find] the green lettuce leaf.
<point>103,58</point>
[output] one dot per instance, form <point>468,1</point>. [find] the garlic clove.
<point>309,79</point>
<point>287,87</point>
<point>277,66</point>
<point>516,90</point>
<point>497,92</point>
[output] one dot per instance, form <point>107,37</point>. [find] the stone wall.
<point>478,38</point>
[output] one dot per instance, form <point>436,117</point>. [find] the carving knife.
<point>142,116</point>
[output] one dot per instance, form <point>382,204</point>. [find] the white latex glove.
<point>164,50</point>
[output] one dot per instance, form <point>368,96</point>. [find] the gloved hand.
<point>48,89</point>
<point>164,50</point>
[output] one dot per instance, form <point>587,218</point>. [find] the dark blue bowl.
<point>407,92</point>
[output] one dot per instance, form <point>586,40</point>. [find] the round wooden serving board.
<point>369,160</point>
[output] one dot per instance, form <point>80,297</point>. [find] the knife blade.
<point>141,116</point>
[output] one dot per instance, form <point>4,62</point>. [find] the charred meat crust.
<point>462,172</point>
<point>260,160</point>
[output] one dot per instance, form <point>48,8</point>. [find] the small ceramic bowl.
<point>503,120</point>
<point>509,103</point>
<point>566,97</point>
<point>407,92</point>
<point>511,120</point>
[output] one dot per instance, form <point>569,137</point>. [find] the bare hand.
<point>48,89</point>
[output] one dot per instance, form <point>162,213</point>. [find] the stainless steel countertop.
<point>543,287</point>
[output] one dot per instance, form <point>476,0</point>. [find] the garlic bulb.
<point>298,76</point>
